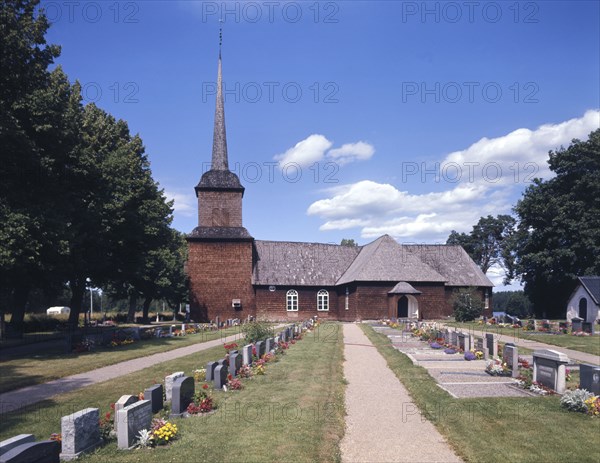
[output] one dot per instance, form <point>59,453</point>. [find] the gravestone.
<point>234,363</point>
<point>133,419</point>
<point>80,433</point>
<point>276,340</point>
<point>464,341</point>
<point>587,327</point>
<point>223,361</point>
<point>510,356</point>
<point>453,338</point>
<point>549,369</point>
<point>480,345</point>
<point>155,395</point>
<point>260,348</point>
<point>47,451</point>
<point>13,442</point>
<point>123,402</point>
<point>183,394</point>
<point>210,370</point>
<point>169,383</point>
<point>589,378</point>
<point>284,337</point>
<point>577,324</point>
<point>220,378</point>
<point>492,344</point>
<point>247,354</point>
<point>268,345</point>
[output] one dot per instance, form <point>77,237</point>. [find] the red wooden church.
<point>233,275</point>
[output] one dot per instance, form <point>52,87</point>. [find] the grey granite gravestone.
<point>587,327</point>
<point>169,383</point>
<point>549,369</point>
<point>220,378</point>
<point>247,354</point>
<point>33,452</point>
<point>577,324</point>
<point>13,442</point>
<point>80,433</point>
<point>260,348</point>
<point>589,378</point>
<point>268,345</point>
<point>461,341</point>
<point>492,344</point>
<point>276,340</point>
<point>183,394</point>
<point>133,419</point>
<point>234,360</point>
<point>210,370</point>
<point>510,356</point>
<point>155,395</point>
<point>123,402</point>
<point>453,338</point>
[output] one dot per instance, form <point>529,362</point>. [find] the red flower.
<point>229,377</point>
<point>107,416</point>
<point>205,386</point>
<point>112,406</point>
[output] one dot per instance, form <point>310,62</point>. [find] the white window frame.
<point>291,299</point>
<point>323,300</point>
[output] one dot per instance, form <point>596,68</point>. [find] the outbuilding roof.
<point>592,286</point>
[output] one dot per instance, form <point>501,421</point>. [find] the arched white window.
<point>292,300</point>
<point>323,301</point>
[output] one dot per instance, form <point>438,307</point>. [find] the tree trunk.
<point>20,295</point>
<point>132,305</point>
<point>147,301</point>
<point>77,291</point>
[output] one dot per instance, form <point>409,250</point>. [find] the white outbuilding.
<point>585,300</point>
<point>59,310</point>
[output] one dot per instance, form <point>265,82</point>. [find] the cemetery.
<point>145,420</point>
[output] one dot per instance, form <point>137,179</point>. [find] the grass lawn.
<point>486,430</point>
<point>40,368</point>
<point>589,344</point>
<point>293,413</point>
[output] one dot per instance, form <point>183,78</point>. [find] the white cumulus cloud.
<point>316,148</point>
<point>494,171</point>
<point>184,204</point>
<point>306,152</point>
<point>350,152</point>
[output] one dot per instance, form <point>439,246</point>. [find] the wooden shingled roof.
<point>452,262</point>
<point>316,264</point>
<point>301,264</point>
<point>386,260</point>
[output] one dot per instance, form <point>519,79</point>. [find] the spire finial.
<point>220,35</point>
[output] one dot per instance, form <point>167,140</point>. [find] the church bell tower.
<point>221,250</point>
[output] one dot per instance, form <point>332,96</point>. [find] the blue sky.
<point>345,119</point>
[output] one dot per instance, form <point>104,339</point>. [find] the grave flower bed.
<point>233,384</point>
<point>163,432</point>
<point>580,333</point>
<point>450,351</point>
<point>435,345</point>
<point>470,356</point>
<point>581,400</point>
<point>496,367</point>
<point>202,402</point>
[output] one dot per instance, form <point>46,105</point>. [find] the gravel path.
<point>14,400</point>
<point>383,424</point>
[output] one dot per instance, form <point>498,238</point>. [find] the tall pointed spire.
<point>219,151</point>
